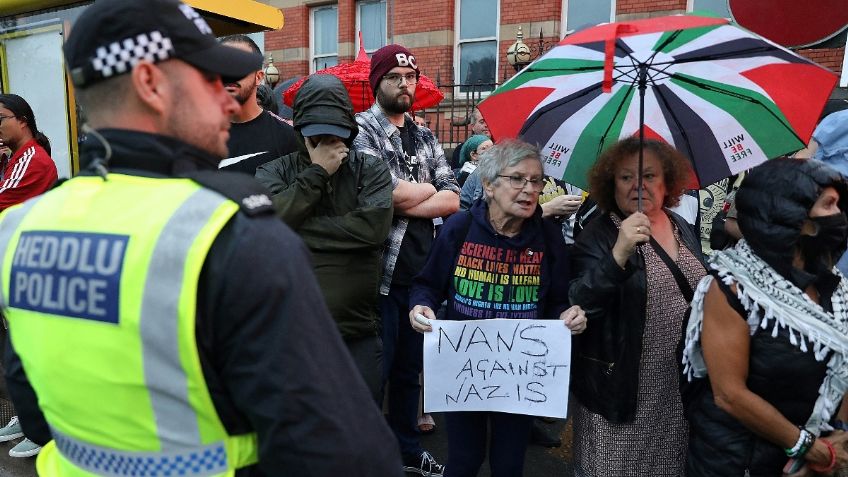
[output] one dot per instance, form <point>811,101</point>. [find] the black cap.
<point>111,36</point>
<point>320,129</point>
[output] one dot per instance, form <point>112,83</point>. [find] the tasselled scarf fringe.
<point>784,305</point>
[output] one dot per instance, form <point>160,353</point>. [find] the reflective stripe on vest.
<point>172,427</point>
<point>201,461</point>
<point>174,415</point>
<point>11,222</point>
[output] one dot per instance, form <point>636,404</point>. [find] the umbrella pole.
<point>643,85</point>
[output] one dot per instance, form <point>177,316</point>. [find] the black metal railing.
<point>450,119</point>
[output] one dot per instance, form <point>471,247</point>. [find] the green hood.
<point>323,99</point>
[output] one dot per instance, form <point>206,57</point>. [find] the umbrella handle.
<point>643,85</point>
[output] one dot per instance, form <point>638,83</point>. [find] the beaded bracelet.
<point>804,443</point>
<point>830,466</point>
<point>793,451</point>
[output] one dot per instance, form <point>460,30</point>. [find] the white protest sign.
<point>515,366</point>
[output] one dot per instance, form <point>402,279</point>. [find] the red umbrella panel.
<point>354,76</point>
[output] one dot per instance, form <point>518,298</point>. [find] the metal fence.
<point>450,119</point>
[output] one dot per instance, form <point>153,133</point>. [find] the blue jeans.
<point>467,432</point>
<point>403,350</point>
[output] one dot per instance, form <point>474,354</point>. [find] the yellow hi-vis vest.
<point>99,285</point>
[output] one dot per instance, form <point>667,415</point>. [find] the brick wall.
<point>290,69</point>
<point>523,11</point>
<point>294,33</point>
<point>830,58</point>
<point>624,7</point>
<point>347,27</point>
<point>414,16</point>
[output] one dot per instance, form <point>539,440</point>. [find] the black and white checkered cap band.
<point>120,56</point>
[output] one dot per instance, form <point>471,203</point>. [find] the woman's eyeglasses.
<point>518,182</point>
<point>6,117</point>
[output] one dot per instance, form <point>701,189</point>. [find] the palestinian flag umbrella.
<point>723,96</point>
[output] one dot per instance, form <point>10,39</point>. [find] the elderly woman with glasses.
<point>637,265</point>
<point>508,223</point>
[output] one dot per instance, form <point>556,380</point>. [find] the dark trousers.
<point>467,432</point>
<point>367,354</point>
<point>403,350</point>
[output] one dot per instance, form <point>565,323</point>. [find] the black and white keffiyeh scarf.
<point>784,305</point>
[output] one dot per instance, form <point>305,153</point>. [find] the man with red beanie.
<point>424,191</point>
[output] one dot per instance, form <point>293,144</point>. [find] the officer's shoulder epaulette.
<point>253,199</point>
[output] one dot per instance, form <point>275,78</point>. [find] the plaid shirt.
<point>379,137</point>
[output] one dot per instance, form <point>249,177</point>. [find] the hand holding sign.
<point>575,319</point>
<point>419,318</point>
<point>515,366</point>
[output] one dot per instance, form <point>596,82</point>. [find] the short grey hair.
<point>505,154</point>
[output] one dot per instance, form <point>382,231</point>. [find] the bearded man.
<point>256,136</point>
<point>424,191</point>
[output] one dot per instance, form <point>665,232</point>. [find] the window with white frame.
<point>324,44</point>
<point>371,22</point>
<point>579,14</point>
<point>844,81</point>
<point>477,45</point>
<point>718,7</point>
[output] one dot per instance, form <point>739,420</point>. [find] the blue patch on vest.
<point>68,273</point>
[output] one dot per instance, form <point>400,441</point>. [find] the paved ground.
<point>11,467</point>
<point>540,462</point>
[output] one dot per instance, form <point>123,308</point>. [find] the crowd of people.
<point>221,291</point>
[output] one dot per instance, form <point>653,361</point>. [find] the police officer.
<point>164,322</point>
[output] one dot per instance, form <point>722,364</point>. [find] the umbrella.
<point>284,110</point>
<point>723,96</point>
<point>355,78</point>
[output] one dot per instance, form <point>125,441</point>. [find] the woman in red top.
<point>29,171</point>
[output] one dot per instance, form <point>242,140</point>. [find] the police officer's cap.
<point>111,36</point>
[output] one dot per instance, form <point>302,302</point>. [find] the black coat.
<point>271,357</point>
<point>781,374</point>
<point>343,218</point>
<point>605,358</point>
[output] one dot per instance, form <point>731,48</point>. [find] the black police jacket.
<point>605,358</point>
<point>272,358</point>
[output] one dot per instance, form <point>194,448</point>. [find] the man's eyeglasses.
<point>518,182</point>
<point>397,78</point>
<point>5,117</point>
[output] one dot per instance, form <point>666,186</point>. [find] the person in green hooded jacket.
<point>340,202</point>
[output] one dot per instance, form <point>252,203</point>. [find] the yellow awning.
<point>14,7</point>
<point>227,17</point>
<point>224,16</point>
